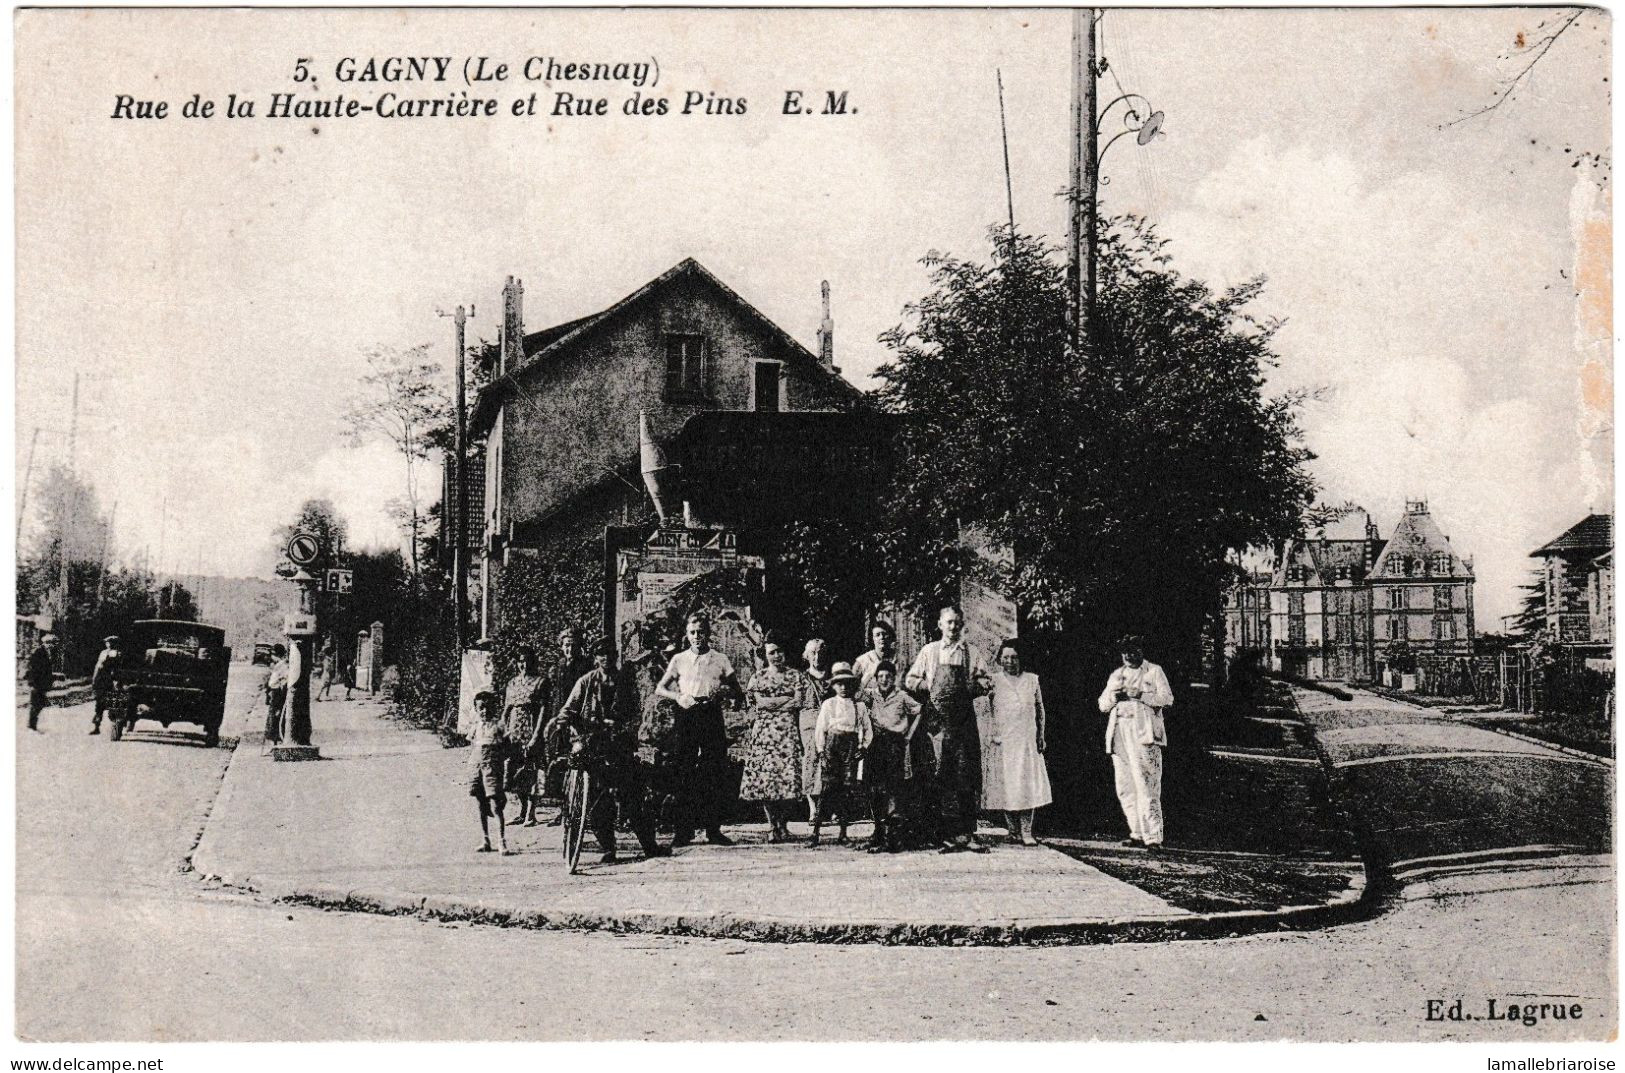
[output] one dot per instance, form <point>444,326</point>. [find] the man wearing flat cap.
<point>601,713</point>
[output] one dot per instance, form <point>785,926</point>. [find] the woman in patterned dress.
<point>777,694</point>
<point>521,714</point>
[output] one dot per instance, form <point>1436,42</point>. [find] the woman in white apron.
<point>1015,779</point>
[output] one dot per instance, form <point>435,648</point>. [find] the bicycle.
<point>579,802</point>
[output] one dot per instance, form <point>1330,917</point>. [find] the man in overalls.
<point>947,676</point>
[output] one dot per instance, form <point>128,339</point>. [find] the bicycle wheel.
<point>577,798</point>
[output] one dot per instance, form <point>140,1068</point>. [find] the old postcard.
<point>864,524</point>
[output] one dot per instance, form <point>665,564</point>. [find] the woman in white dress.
<point>1014,778</point>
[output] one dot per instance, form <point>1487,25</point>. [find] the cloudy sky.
<point>214,281</point>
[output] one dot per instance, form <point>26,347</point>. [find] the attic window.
<point>685,366</point>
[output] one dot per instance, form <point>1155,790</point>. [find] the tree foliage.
<point>402,400</point>
<point>67,571</point>
<point>1122,477</point>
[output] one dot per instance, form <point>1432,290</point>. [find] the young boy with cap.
<point>840,736</point>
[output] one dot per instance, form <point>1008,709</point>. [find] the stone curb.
<point>1349,906</point>
<point>1354,904</point>
<point>1377,883</point>
<point>1567,750</point>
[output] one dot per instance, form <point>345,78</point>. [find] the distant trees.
<point>402,401</point>
<point>66,569</point>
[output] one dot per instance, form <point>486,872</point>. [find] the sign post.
<point>303,550</point>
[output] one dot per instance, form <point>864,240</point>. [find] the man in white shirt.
<point>699,679</point>
<point>1135,696</point>
<point>947,676</point>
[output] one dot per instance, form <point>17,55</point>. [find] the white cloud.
<point>1396,288</point>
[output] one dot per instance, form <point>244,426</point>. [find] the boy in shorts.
<point>486,761</point>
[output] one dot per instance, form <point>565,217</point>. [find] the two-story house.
<point>1579,583</point>
<point>560,423</point>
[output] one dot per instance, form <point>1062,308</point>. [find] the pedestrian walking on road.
<point>101,681</point>
<point>1014,778</point>
<point>777,694</point>
<point>486,768</point>
<point>276,694</point>
<point>521,719</point>
<point>950,674</point>
<point>329,669</point>
<point>1136,695</point>
<point>889,766</point>
<point>40,676</point>
<point>700,679</point>
<point>841,736</point>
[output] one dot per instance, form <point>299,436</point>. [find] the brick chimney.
<point>826,334</point>
<point>513,326</point>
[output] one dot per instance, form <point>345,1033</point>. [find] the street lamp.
<point>1138,118</point>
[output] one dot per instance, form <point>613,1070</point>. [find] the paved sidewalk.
<point>384,822</point>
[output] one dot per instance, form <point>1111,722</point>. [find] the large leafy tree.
<point>1121,476</point>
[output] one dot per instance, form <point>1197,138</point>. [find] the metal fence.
<point>1552,681</point>
<point>1547,680</point>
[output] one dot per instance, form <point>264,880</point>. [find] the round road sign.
<point>303,549</point>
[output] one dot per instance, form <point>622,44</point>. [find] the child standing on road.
<point>486,762</point>
<point>840,736</point>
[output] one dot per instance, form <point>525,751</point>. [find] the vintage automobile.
<point>171,672</point>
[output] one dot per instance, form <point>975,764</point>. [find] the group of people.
<point>912,747</point>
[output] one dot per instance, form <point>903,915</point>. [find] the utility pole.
<point>163,531</point>
<point>28,478</point>
<point>107,536</point>
<point>73,430</point>
<point>459,466</point>
<point>1085,178</point>
<point>1009,189</point>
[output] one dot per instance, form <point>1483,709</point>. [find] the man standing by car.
<point>101,680</point>
<point>41,670</point>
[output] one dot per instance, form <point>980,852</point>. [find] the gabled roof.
<point>1322,558</point>
<point>1417,537</point>
<point>1593,533</point>
<point>551,344</point>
